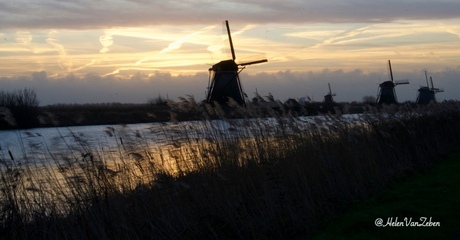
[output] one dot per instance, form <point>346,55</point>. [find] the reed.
<point>270,175</point>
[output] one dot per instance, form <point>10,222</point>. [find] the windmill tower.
<point>387,94</point>
<point>328,97</point>
<point>427,94</point>
<point>224,78</point>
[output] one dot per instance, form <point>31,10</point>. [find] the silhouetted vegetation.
<point>23,107</point>
<point>20,110</point>
<point>370,100</point>
<point>102,113</point>
<point>257,177</point>
<point>161,110</point>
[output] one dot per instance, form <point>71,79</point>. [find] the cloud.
<point>24,37</point>
<point>178,43</point>
<point>349,85</point>
<point>117,53</point>
<point>104,14</point>
<point>106,41</point>
<point>63,62</point>
<point>343,36</point>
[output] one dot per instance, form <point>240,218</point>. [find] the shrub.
<point>23,106</point>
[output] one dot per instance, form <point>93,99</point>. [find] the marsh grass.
<point>271,176</point>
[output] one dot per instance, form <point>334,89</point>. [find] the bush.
<point>23,106</point>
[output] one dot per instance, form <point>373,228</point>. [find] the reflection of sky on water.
<point>107,138</point>
<point>55,162</point>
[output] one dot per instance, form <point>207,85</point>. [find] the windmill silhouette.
<point>224,78</point>
<point>387,94</point>
<point>427,94</point>
<point>328,97</point>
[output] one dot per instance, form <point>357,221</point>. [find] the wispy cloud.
<point>187,38</point>
<point>120,39</point>
<point>192,48</point>
<point>63,62</point>
<point>342,37</point>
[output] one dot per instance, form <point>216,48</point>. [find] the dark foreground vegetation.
<point>434,195</point>
<point>280,178</point>
<point>19,108</point>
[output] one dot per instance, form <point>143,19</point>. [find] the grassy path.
<point>434,195</point>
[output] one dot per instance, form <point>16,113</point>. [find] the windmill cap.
<point>225,65</point>
<point>387,84</point>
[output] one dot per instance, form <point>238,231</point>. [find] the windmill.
<point>328,97</point>
<point>224,78</point>
<point>427,94</point>
<point>387,92</point>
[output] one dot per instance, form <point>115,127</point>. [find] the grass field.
<point>434,194</point>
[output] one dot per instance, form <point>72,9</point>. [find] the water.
<point>47,165</point>
<point>22,144</point>
<point>166,147</point>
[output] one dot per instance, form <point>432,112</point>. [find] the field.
<point>277,178</point>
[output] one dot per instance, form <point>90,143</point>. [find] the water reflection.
<point>59,166</point>
<point>55,168</point>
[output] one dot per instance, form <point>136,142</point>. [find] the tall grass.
<point>269,176</point>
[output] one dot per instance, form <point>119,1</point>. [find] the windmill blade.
<point>230,40</point>
<point>436,90</point>
<point>253,62</point>
<point>400,82</point>
<point>426,77</point>
<point>330,91</point>
<point>390,71</point>
<point>259,58</point>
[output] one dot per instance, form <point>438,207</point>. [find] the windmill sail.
<point>225,82</point>
<point>328,97</point>
<point>427,94</point>
<point>387,94</point>
<point>230,40</point>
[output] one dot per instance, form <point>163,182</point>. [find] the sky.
<point>130,51</point>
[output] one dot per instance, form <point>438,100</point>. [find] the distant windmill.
<point>427,94</point>
<point>328,97</point>
<point>224,78</point>
<point>387,94</point>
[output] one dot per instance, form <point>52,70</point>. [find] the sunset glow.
<point>82,45</point>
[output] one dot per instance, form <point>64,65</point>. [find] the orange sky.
<point>433,45</point>
<point>123,39</point>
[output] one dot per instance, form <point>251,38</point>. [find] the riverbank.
<point>425,205</point>
<point>64,115</point>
